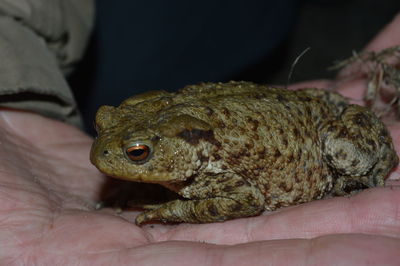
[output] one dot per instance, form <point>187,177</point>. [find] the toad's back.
<point>271,137</point>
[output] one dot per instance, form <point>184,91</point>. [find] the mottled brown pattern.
<point>236,149</point>
<point>194,135</point>
<point>296,132</point>
<point>210,111</point>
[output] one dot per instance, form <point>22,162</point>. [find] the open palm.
<point>48,189</point>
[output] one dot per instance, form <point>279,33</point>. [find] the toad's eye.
<point>138,152</point>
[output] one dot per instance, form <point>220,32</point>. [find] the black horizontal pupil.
<point>137,152</point>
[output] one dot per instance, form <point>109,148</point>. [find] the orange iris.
<point>138,152</point>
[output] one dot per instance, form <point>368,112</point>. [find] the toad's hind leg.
<point>234,197</point>
<point>359,150</point>
<point>216,209</point>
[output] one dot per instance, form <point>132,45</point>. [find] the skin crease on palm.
<point>48,189</point>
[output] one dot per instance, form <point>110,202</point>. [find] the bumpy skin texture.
<point>236,149</point>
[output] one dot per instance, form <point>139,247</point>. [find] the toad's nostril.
<point>106,152</point>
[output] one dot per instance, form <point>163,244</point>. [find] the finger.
<point>389,36</point>
<point>353,89</point>
<point>350,88</point>
<point>319,84</point>
<point>328,250</point>
<point>373,211</point>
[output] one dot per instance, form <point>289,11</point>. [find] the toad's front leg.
<point>214,199</point>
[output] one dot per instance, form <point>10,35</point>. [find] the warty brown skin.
<point>236,149</point>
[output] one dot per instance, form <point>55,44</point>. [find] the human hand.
<point>48,190</point>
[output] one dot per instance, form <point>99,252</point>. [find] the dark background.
<point>166,45</point>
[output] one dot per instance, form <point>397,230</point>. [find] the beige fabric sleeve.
<point>40,42</point>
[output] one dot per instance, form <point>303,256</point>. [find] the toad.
<point>237,149</point>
